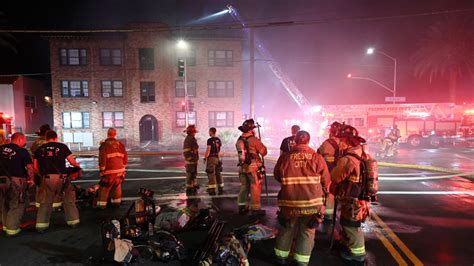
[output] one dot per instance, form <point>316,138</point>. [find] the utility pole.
<point>186,108</point>
<point>252,73</point>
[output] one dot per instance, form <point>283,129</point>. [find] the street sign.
<point>395,99</point>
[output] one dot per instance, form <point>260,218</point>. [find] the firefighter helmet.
<point>335,127</point>
<point>43,129</point>
<point>191,129</point>
<point>350,133</point>
<point>248,125</point>
<point>302,137</point>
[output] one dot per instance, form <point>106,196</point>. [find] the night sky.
<point>317,57</point>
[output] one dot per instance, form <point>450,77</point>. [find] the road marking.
<point>397,240</point>
<point>425,177</point>
<point>390,248</point>
<point>454,192</point>
<point>464,157</point>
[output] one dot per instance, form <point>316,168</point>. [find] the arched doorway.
<point>148,128</point>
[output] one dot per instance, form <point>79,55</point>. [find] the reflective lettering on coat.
<point>300,159</point>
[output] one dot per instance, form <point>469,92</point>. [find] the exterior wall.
<point>164,75</point>
<point>12,102</point>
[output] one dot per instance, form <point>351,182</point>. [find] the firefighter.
<point>191,158</point>
<point>289,142</point>
<point>249,149</point>
<point>213,162</point>
<point>347,186</point>
<point>36,144</point>
<point>50,162</point>
<point>304,177</point>
<point>113,159</point>
<point>16,175</point>
<point>331,152</point>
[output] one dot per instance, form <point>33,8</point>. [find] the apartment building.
<point>130,81</point>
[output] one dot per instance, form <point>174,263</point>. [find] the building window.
<point>220,88</point>
<point>111,57</point>
<point>179,88</point>
<point>73,57</point>
<point>147,91</point>
<point>76,120</point>
<point>190,56</point>
<point>221,119</point>
<point>147,58</point>
<point>181,118</point>
<point>74,88</point>
<point>30,101</point>
<point>112,88</point>
<point>359,122</point>
<point>112,119</point>
<point>221,58</point>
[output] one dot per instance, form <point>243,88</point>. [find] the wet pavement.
<point>421,217</point>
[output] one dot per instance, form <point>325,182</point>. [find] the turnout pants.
<point>296,227</point>
<point>213,170</point>
<point>191,175</point>
<point>353,213</point>
<point>52,185</point>
<point>249,182</point>
<point>13,195</point>
<point>107,184</point>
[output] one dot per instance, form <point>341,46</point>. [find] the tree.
<point>6,39</point>
<point>447,49</point>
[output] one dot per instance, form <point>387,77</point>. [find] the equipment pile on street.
<point>149,233</point>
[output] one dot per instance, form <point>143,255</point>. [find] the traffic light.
<point>183,106</point>
<point>181,67</point>
<point>190,106</point>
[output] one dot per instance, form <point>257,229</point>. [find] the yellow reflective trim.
<point>12,232</point>
<point>115,154</point>
<point>301,180</point>
<point>301,203</point>
<point>212,186</point>
<point>329,159</point>
<point>187,149</point>
<point>281,253</point>
<point>73,222</point>
<point>221,185</point>
<point>37,204</point>
<point>101,203</point>
<point>329,211</point>
<point>302,258</point>
<point>116,200</point>
<point>358,251</point>
<point>42,225</point>
<point>57,204</point>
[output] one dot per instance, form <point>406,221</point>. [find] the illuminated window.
<point>111,57</point>
<point>181,118</point>
<point>112,119</point>
<point>220,88</point>
<point>73,57</point>
<point>221,119</point>
<point>221,58</point>
<point>179,88</point>
<point>76,120</point>
<point>74,88</point>
<point>112,88</point>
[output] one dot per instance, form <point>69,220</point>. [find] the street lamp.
<point>350,76</point>
<point>371,51</point>
<point>183,46</point>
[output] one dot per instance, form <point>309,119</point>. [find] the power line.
<point>233,25</point>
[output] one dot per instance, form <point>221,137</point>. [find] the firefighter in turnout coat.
<point>304,176</point>
<point>347,187</point>
<point>113,159</point>
<point>249,149</point>
<point>331,152</point>
<point>191,158</point>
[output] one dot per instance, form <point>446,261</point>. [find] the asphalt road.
<point>422,217</point>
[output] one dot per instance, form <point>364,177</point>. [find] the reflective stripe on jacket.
<point>113,157</point>
<point>303,174</point>
<point>346,170</point>
<point>256,148</point>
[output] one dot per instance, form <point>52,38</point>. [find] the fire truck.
<point>5,124</point>
<point>423,124</point>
